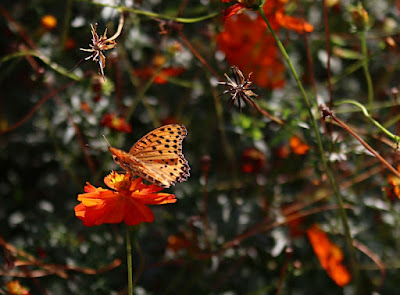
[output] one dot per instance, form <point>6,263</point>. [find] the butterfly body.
<point>157,156</point>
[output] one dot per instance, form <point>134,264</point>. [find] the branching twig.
<point>328,113</point>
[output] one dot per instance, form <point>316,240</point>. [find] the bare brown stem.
<point>328,113</point>
<point>199,57</point>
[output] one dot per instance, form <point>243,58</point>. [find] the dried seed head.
<point>239,88</point>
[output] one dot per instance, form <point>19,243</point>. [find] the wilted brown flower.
<point>239,88</point>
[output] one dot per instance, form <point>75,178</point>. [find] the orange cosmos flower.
<point>329,255</point>
<point>116,123</point>
<point>48,22</point>
<point>86,107</point>
<point>70,43</point>
<point>393,190</point>
<point>162,76</point>
<point>15,288</point>
<point>296,227</point>
<point>179,242</point>
<point>298,146</point>
<point>238,8</point>
<point>246,42</point>
<point>293,23</point>
<point>247,45</point>
<point>282,152</point>
<point>253,160</point>
<point>125,202</point>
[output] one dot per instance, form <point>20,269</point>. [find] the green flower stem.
<point>158,15</point>
<point>366,71</point>
<point>66,25</point>
<point>367,115</point>
<point>141,263</point>
<point>129,260</point>
<point>347,72</point>
<point>327,169</point>
<point>366,145</point>
<point>54,66</point>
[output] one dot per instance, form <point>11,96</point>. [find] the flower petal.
<point>236,8</point>
<point>136,212</point>
<point>125,203</point>
<point>329,255</point>
<point>293,23</point>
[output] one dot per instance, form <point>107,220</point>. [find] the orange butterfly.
<point>157,156</point>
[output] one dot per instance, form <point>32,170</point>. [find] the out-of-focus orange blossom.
<point>253,160</point>
<point>178,242</point>
<point>393,190</point>
<point>296,227</point>
<point>329,255</point>
<point>237,8</point>
<point>15,288</point>
<point>162,75</point>
<point>282,152</point>
<point>298,146</point>
<point>85,107</point>
<point>170,120</point>
<point>246,42</point>
<point>70,44</point>
<point>115,122</point>
<point>48,22</point>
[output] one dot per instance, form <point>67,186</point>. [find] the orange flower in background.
<point>70,43</point>
<point>293,23</point>
<point>116,123</point>
<point>282,152</point>
<point>125,201</point>
<point>394,182</point>
<point>238,8</point>
<point>246,45</point>
<point>246,42</point>
<point>86,107</point>
<point>393,190</point>
<point>253,160</point>
<point>15,288</point>
<point>48,22</point>
<point>298,146</point>
<point>234,9</point>
<point>296,227</point>
<point>329,255</point>
<point>179,242</point>
<point>275,13</point>
<point>170,120</point>
<point>162,76</point>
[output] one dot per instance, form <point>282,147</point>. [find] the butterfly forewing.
<point>157,156</point>
<point>164,142</point>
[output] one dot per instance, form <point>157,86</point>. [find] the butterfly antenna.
<point>79,62</point>
<point>94,148</point>
<point>106,140</point>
